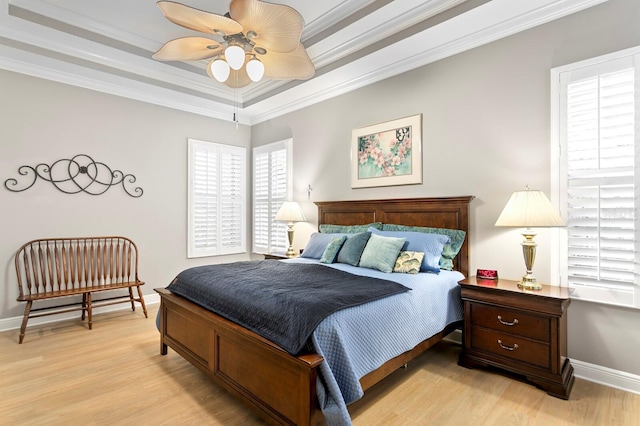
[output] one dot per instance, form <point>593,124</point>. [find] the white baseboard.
<point>594,373</point>
<point>606,376</point>
<point>591,372</point>
<point>15,322</point>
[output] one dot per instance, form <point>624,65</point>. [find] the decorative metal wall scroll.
<point>78,174</point>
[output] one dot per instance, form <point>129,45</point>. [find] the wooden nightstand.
<point>522,331</point>
<point>276,256</point>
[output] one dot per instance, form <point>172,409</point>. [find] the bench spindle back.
<point>59,265</point>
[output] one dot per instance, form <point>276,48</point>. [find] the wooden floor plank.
<point>64,374</point>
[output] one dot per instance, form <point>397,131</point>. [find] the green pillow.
<point>408,262</point>
<point>331,252</point>
<point>348,229</point>
<point>381,253</point>
<point>450,250</point>
<point>352,248</point>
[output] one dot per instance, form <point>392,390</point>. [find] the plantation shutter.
<point>600,107</point>
<point>271,187</point>
<point>216,199</point>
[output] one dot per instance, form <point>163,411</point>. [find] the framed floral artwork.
<point>387,154</point>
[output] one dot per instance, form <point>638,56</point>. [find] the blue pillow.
<point>381,253</point>
<point>352,248</point>
<point>450,250</point>
<point>429,244</point>
<point>331,252</point>
<point>317,244</point>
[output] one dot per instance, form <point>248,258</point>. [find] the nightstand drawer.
<point>510,321</point>
<point>510,346</point>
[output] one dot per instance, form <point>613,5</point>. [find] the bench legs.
<point>89,310</point>
<point>84,305</point>
<point>144,308</point>
<point>27,311</point>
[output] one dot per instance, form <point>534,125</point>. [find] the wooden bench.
<point>60,267</point>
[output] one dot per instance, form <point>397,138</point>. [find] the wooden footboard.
<point>278,386</point>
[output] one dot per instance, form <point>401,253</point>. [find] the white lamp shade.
<point>529,209</point>
<point>255,69</point>
<point>234,55</point>
<point>290,211</point>
<point>220,70</point>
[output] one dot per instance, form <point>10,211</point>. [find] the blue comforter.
<point>280,301</point>
<point>378,331</point>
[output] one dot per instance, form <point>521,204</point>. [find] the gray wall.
<point>43,121</point>
<point>485,133</point>
<point>486,118</point>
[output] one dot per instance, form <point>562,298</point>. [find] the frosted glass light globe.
<point>255,69</point>
<point>235,56</point>
<point>220,70</point>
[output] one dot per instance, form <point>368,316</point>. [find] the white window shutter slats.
<point>599,113</point>
<point>216,199</point>
<point>271,187</point>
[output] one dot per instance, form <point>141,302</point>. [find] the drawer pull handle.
<point>515,321</point>
<point>509,348</point>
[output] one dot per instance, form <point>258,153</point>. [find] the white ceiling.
<point>106,45</point>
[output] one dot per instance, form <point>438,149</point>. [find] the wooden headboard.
<point>446,212</point>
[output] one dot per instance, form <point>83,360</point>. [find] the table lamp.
<point>529,209</point>
<point>290,212</point>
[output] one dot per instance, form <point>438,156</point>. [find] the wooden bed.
<point>279,386</point>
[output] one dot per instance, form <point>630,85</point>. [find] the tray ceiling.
<point>106,45</point>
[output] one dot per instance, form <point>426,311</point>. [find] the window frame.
<point>241,242</point>
<point>629,297</point>
<point>287,145</point>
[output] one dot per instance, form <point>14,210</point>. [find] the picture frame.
<point>387,154</point>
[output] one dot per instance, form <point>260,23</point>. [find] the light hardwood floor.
<point>64,374</point>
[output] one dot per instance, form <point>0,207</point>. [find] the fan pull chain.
<point>235,102</point>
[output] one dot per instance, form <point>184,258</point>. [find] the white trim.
<point>484,24</point>
<point>606,376</point>
<point>475,28</point>
<point>14,323</point>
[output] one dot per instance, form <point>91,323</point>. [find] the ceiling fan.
<point>254,39</point>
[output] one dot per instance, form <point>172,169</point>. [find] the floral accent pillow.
<point>331,252</point>
<point>408,262</point>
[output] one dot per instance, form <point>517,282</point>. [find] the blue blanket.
<point>356,341</point>
<point>282,302</point>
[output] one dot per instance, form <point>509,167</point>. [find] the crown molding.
<point>490,22</point>
<point>61,57</point>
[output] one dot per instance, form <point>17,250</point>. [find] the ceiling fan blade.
<point>188,49</point>
<point>285,66</point>
<point>198,20</point>
<point>279,27</point>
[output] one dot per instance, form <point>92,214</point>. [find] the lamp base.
<point>290,252</point>
<point>529,282</point>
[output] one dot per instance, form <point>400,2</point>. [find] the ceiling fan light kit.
<point>220,69</point>
<point>254,40</point>
<point>255,69</point>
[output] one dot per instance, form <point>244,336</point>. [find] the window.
<point>596,167</point>
<point>271,187</point>
<point>217,201</point>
